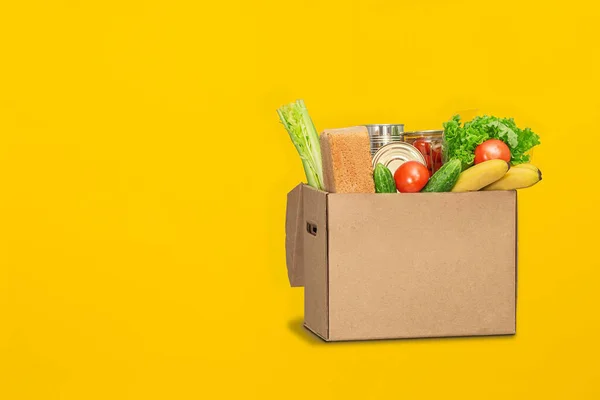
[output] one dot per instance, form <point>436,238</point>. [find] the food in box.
<point>437,259</point>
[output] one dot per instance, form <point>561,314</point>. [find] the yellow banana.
<point>516,178</point>
<point>480,175</point>
<point>526,166</point>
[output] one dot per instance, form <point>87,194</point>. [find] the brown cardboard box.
<point>384,266</point>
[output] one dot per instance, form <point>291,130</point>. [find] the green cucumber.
<point>445,178</point>
<point>384,181</point>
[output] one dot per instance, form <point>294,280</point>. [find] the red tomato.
<point>411,177</point>
<point>423,146</point>
<point>492,149</point>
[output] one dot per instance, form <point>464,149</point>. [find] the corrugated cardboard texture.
<point>315,261</point>
<point>294,236</point>
<point>418,265</point>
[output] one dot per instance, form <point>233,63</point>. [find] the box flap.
<point>294,249</point>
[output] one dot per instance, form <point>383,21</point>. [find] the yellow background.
<point>143,175</point>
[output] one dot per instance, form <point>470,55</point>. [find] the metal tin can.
<point>393,155</point>
<point>382,134</point>
<point>385,129</point>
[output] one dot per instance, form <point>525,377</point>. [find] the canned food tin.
<point>385,129</point>
<point>394,155</point>
<point>382,134</point>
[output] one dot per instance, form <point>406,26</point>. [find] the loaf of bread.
<point>347,160</point>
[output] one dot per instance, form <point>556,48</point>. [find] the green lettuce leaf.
<point>460,141</point>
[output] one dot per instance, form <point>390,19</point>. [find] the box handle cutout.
<point>311,228</point>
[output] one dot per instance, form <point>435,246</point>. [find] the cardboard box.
<point>385,266</point>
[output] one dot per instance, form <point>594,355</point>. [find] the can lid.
<point>393,155</point>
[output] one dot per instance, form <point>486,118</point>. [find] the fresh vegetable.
<point>492,149</point>
<point>461,141</point>
<point>480,175</point>
<point>384,181</point>
<point>516,178</point>
<point>411,177</point>
<point>297,122</point>
<point>445,178</point>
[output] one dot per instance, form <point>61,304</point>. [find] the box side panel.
<point>294,228</point>
<point>421,265</point>
<point>315,262</point>
<point>516,257</point>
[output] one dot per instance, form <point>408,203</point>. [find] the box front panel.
<point>421,265</point>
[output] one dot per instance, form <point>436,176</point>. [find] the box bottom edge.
<point>316,333</point>
<point>422,337</point>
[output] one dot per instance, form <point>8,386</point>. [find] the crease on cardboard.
<point>328,308</point>
<point>317,334</point>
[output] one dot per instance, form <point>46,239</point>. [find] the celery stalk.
<point>297,122</point>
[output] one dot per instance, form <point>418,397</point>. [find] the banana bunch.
<point>497,175</point>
